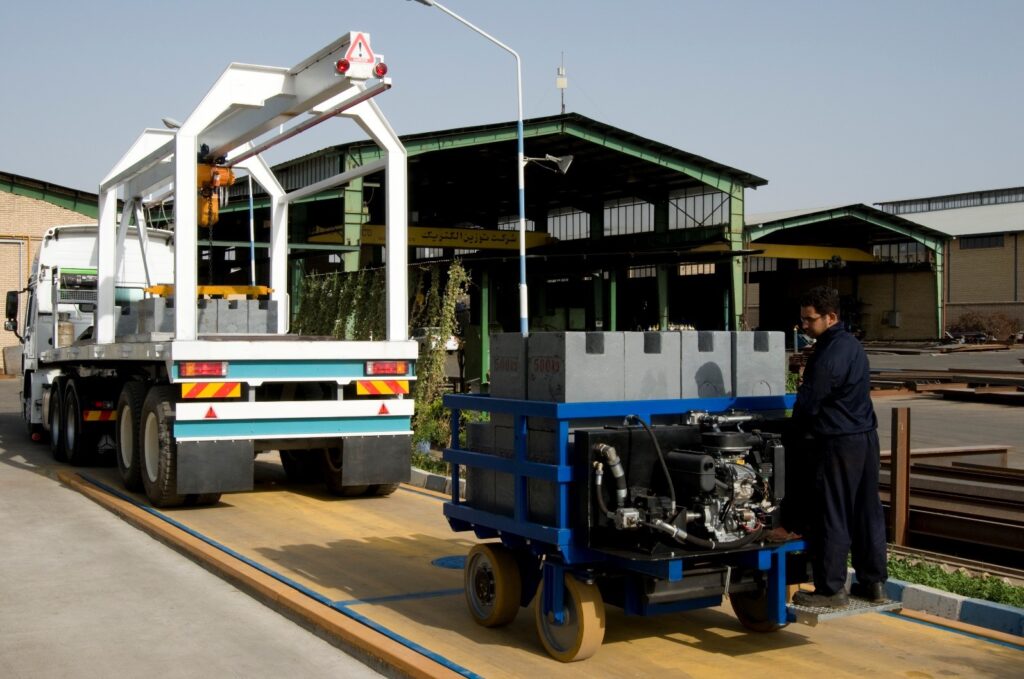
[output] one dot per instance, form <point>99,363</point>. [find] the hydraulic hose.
<point>615,465</point>
<point>661,459</point>
<point>680,535</point>
<point>598,481</point>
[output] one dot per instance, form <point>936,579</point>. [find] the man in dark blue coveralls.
<point>833,405</point>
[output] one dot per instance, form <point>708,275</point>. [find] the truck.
<point>127,355</point>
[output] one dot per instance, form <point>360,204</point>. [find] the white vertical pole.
<point>185,237</point>
<point>106,262</point>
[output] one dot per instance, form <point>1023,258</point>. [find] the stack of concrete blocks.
<point>127,320</point>
<point>156,314</point>
<point>581,367</point>
<point>213,316</point>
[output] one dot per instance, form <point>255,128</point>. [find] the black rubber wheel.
<point>334,475</point>
<point>382,489</point>
<point>79,439</point>
<point>302,466</point>
<point>55,418</point>
<point>159,453</point>
<point>129,420</point>
<point>34,431</point>
<point>201,499</point>
<point>751,609</point>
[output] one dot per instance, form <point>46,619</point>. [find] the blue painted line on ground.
<point>394,636</point>
<point>400,597</point>
<point>997,642</point>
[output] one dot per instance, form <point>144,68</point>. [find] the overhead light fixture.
<point>170,123</point>
<point>561,162</point>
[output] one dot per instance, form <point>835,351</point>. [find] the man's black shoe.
<point>872,591</point>
<point>814,600</point>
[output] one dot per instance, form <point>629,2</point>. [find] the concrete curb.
<point>435,482</point>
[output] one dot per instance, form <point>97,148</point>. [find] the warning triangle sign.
<point>210,414</point>
<point>359,51</point>
<point>383,410</point>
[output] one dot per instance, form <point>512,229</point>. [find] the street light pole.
<point>524,323</point>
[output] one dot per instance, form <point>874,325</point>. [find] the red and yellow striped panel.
<point>211,389</point>
<point>382,387</point>
<point>99,415</point>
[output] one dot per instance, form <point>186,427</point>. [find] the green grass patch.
<point>985,587</point>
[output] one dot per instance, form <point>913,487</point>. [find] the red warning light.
<point>380,70</point>
<point>342,66</point>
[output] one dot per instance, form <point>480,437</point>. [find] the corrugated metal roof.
<point>972,221</point>
<point>768,217</point>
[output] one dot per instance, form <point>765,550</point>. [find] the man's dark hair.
<point>825,300</point>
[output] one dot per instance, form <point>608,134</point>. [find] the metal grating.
<point>812,615</point>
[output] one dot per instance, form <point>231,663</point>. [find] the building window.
<point>568,224</point>
<point>429,253</point>
<point>906,252</point>
<point>229,254</point>
<point>697,208</point>
<point>628,215</point>
<point>512,224</point>
<point>696,269</point>
<point>979,242</point>
<point>758,264</point>
<point>643,271</point>
<point>812,263</point>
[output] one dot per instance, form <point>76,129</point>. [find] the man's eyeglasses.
<point>809,319</point>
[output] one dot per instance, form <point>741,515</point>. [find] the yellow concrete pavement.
<point>376,555</point>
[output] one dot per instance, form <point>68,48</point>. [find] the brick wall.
<point>983,275</point>
<point>25,220</point>
<point>914,299</point>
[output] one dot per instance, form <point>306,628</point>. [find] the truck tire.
<point>334,475</point>
<point>302,466</point>
<point>34,431</point>
<point>159,452</point>
<point>79,440</point>
<point>129,420</point>
<point>201,499</point>
<point>55,418</point>
<point>382,489</point>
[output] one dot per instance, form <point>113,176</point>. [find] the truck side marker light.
<point>383,410</point>
<point>210,414</point>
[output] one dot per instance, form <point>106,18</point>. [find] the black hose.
<point>661,458</point>
<point>602,505</point>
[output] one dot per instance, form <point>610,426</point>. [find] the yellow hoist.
<point>210,179</point>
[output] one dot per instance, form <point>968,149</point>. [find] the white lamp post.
<point>520,163</point>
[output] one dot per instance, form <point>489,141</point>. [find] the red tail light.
<point>380,70</point>
<point>387,367</point>
<point>203,369</point>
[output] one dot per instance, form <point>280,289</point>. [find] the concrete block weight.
<point>508,366</point>
<point>705,364</point>
<point>651,369</point>
<point>759,363</point>
<point>261,316</point>
<point>573,367</point>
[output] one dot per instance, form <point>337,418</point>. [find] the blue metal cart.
<point>573,580</point>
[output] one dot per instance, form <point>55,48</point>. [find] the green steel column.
<point>485,326</point>
<point>355,215</point>
<point>597,283</point>
<point>298,285</point>
<point>663,296</point>
<point>735,263</point>
<point>613,300</point>
<point>940,302</point>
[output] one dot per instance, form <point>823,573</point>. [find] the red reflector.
<point>210,414</point>
<point>342,66</point>
<point>383,410</point>
<point>103,405</point>
<point>203,369</point>
<point>380,70</point>
<point>387,367</point>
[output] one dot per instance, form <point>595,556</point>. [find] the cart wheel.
<point>581,634</point>
<point>492,583</point>
<point>751,609</point>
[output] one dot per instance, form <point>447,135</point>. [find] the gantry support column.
<point>355,215</point>
<point>734,235</point>
<point>661,227</point>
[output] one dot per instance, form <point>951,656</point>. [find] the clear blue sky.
<point>832,102</point>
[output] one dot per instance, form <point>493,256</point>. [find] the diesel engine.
<point>713,483</point>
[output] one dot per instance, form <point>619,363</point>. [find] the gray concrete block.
<point>573,367</point>
<point>262,316</point>
<point>232,317</point>
<point>934,601</point>
<point>480,437</point>
<point>127,320</point>
<point>156,314</point>
<point>705,364</point>
<point>759,363</point>
<point>542,500</point>
<point>206,316</point>
<point>504,495</point>
<point>508,365</point>
<point>651,365</point>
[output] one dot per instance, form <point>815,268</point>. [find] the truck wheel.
<point>751,609</point>
<point>333,475</point>
<point>201,499</point>
<point>129,419</point>
<point>79,440</point>
<point>159,451</point>
<point>382,489</point>
<point>55,416</point>
<point>581,633</point>
<point>492,583</point>
<point>34,431</point>
<point>301,466</point>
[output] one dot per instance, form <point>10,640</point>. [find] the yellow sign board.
<point>433,237</point>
